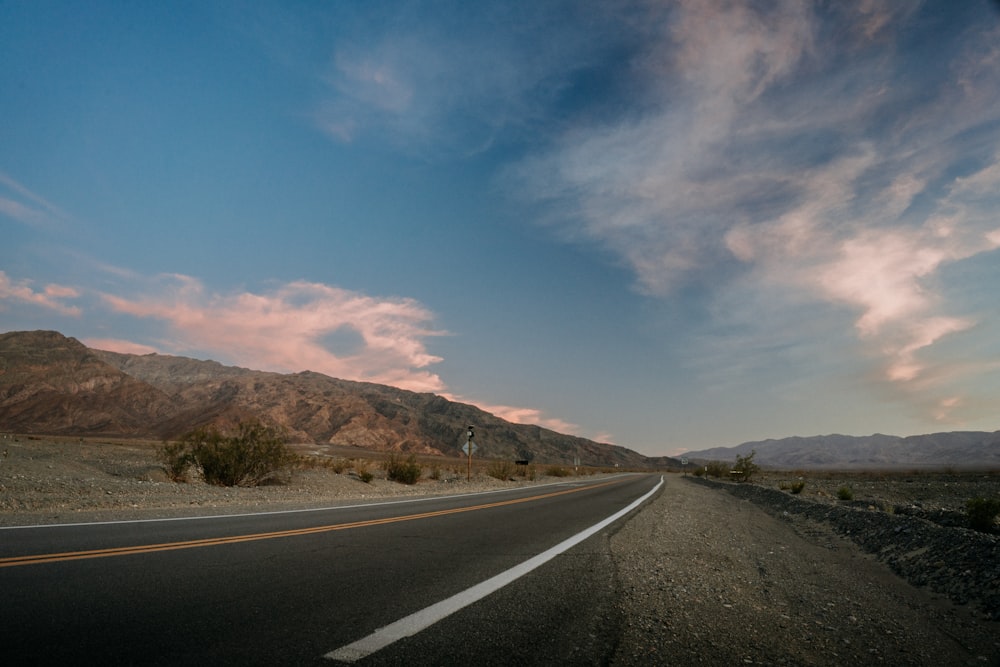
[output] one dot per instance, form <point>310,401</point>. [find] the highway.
<point>519,576</point>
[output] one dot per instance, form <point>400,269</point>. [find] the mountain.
<point>959,449</point>
<point>51,384</point>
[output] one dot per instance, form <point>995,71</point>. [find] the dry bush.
<point>404,472</point>
<point>501,469</point>
<point>254,454</point>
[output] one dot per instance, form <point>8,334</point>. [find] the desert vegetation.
<point>404,471</point>
<point>253,454</point>
<point>982,513</point>
<point>742,470</point>
<point>501,469</point>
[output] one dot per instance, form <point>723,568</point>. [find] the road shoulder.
<point>707,578</point>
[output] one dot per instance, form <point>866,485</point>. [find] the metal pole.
<point>468,446</point>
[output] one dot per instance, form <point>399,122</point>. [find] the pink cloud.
<point>903,363</point>
<point>284,330</point>
<point>878,267</point>
<point>50,297</point>
<point>120,346</point>
<point>880,271</point>
<point>521,415</point>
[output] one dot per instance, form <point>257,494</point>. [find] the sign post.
<point>469,447</point>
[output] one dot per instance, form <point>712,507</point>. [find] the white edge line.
<point>414,623</point>
<point>294,511</point>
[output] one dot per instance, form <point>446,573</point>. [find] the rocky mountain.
<point>51,384</point>
<point>959,449</point>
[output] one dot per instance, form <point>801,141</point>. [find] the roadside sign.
<point>465,448</point>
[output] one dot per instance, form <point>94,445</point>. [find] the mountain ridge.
<point>55,385</point>
<point>973,449</point>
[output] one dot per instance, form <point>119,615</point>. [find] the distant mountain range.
<point>54,385</point>
<point>959,449</point>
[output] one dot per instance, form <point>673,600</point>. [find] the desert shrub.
<point>845,493</point>
<point>435,472</point>
<point>176,458</point>
<point>361,469</point>
<point>717,469</point>
<point>699,471</point>
<point>403,471</point>
<point>255,453</point>
<point>798,486</point>
<point>557,471</point>
<point>745,467</point>
<point>982,513</point>
<point>501,469</point>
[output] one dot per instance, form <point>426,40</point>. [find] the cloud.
<point>883,272</point>
<point>449,82</point>
<point>50,297</point>
<point>21,204</point>
<point>800,156</point>
<point>286,329</point>
<point>120,346</point>
<point>293,327</point>
<point>520,415</point>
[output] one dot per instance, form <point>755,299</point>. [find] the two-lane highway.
<point>319,586</point>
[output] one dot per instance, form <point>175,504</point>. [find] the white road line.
<point>414,623</point>
<point>379,503</point>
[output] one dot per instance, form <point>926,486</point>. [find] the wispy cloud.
<point>448,82</point>
<point>119,345</point>
<point>522,415</point>
<point>811,145</point>
<point>285,329</point>
<point>50,297</point>
<point>21,204</point>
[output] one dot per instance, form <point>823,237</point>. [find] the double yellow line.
<point>15,561</point>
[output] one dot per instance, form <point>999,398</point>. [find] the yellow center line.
<point>14,561</point>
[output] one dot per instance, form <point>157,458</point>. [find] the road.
<point>312,587</point>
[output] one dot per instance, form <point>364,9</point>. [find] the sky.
<point>668,225</point>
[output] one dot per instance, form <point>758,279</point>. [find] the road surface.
<point>325,586</point>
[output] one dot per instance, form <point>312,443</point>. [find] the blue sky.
<point>667,225</point>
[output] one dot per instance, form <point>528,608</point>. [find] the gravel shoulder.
<point>708,578</point>
<point>708,573</point>
<point>69,480</point>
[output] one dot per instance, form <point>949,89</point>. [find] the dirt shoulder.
<point>709,578</point>
<point>68,480</point>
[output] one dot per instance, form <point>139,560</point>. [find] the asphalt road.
<point>293,588</point>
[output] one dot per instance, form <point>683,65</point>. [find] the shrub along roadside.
<point>254,454</point>
<point>502,470</point>
<point>982,513</point>
<point>404,472</point>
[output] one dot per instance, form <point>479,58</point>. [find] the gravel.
<point>48,480</point>
<point>719,574</point>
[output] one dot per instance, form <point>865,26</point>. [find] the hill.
<point>959,449</point>
<point>54,385</point>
